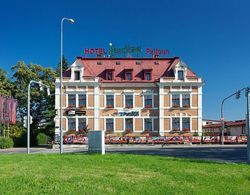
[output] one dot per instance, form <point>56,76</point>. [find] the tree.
<point>65,66</point>
<point>42,106</point>
<point>5,85</point>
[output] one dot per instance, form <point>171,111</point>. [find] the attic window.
<point>109,75</point>
<point>99,63</point>
<point>77,75</point>
<point>147,75</point>
<point>128,75</point>
<point>180,75</point>
<point>118,63</point>
<point>138,63</point>
<point>156,63</point>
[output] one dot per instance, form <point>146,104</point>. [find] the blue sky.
<point>212,37</point>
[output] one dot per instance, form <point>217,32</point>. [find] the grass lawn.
<point>118,173</point>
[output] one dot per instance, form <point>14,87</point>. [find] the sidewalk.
<point>78,148</point>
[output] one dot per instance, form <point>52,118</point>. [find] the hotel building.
<point>130,95</point>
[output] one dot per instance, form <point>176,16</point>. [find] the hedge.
<point>42,139</point>
<point>6,142</point>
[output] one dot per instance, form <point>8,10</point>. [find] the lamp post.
<point>41,85</point>
<point>70,20</point>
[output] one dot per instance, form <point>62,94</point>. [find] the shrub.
<point>6,142</point>
<point>42,139</point>
<point>20,141</point>
<point>18,133</point>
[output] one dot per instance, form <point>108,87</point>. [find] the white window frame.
<point>152,96</point>
<point>113,123</point>
<point>78,122</point>
<point>78,99</point>
<point>105,100</point>
<point>124,123</point>
<point>152,119</point>
<point>180,118</point>
<point>124,100</point>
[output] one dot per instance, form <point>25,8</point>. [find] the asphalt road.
<point>234,154</point>
<point>228,153</point>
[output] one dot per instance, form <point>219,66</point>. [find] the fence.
<point>83,139</point>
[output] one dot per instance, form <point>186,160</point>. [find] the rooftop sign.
<point>114,51</point>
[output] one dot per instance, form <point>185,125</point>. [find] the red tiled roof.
<point>160,67</point>
<point>227,123</point>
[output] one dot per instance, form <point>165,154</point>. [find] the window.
<point>82,100</point>
<point>82,124</point>
<point>128,75</point>
<point>147,76</point>
<point>186,100</point>
<point>129,101</point>
<point>180,75</point>
<point>186,124</point>
<point>176,124</point>
<point>77,75</point>
<point>243,130</point>
<point>72,100</point>
<point>176,100</point>
<point>109,124</point>
<point>128,124</point>
<point>148,124</point>
<point>148,101</point>
<point>72,124</point>
<point>109,75</point>
<point>110,101</point>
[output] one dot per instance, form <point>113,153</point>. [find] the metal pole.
<point>28,120</point>
<point>61,131</point>
<point>222,118</point>
<point>248,130</point>
<point>28,113</point>
<point>61,75</point>
<point>223,122</point>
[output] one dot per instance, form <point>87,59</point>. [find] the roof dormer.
<point>77,71</point>
<point>180,71</point>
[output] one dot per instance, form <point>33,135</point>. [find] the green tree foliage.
<point>65,66</point>
<point>16,130</point>
<point>42,106</point>
<point>5,84</point>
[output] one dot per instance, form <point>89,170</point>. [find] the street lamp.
<point>70,20</point>
<point>29,119</point>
